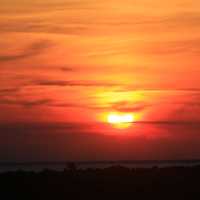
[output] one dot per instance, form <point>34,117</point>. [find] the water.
<point>60,166</point>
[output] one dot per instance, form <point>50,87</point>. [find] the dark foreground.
<point>110,183</point>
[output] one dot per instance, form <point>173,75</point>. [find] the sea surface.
<point>60,166</point>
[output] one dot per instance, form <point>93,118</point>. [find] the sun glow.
<point>120,120</point>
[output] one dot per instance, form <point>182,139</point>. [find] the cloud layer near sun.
<point>72,61</point>
<point>71,52</point>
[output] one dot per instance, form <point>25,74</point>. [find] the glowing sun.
<point>120,120</point>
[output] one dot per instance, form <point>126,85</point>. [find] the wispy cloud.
<point>5,91</point>
<point>73,83</point>
<point>26,103</point>
<point>125,106</point>
<point>173,47</point>
<point>32,50</point>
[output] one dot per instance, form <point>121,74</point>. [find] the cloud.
<point>11,92</point>
<point>152,88</point>
<point>26,103</point>
<point>76,141</point>
<point>43,27</point>
<point>73,24</point>
<point>120,106</point>
<point>125,106</point>
<point>66,69</point>
<point>47,102</point>
<point>8,90</point>
<point>188,111</point>
<point>73,83</point>
<point>27,7</point>
<point>32,50</point>
<point>173,47</point>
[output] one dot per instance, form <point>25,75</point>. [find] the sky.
<point>66,64</point>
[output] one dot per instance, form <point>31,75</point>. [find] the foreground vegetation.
<point>110,183</point>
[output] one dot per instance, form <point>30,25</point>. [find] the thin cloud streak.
<point>32,50</point>
<point>73,83</point>
<point>25,103</point>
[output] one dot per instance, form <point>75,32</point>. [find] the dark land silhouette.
<point>114,182</point>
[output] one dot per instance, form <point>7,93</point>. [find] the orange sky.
<point>74,61</point>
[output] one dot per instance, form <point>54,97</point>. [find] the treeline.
<point>115,182</point>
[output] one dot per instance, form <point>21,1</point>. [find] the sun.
<point>114,118</point>
<point>120,120</point>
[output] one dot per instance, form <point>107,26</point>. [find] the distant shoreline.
<point>187,161</point>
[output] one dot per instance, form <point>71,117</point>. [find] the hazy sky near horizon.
<point>71,62</point>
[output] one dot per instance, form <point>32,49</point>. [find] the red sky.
<point>64,65</point>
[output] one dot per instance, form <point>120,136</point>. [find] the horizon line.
<point>137,161</point>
